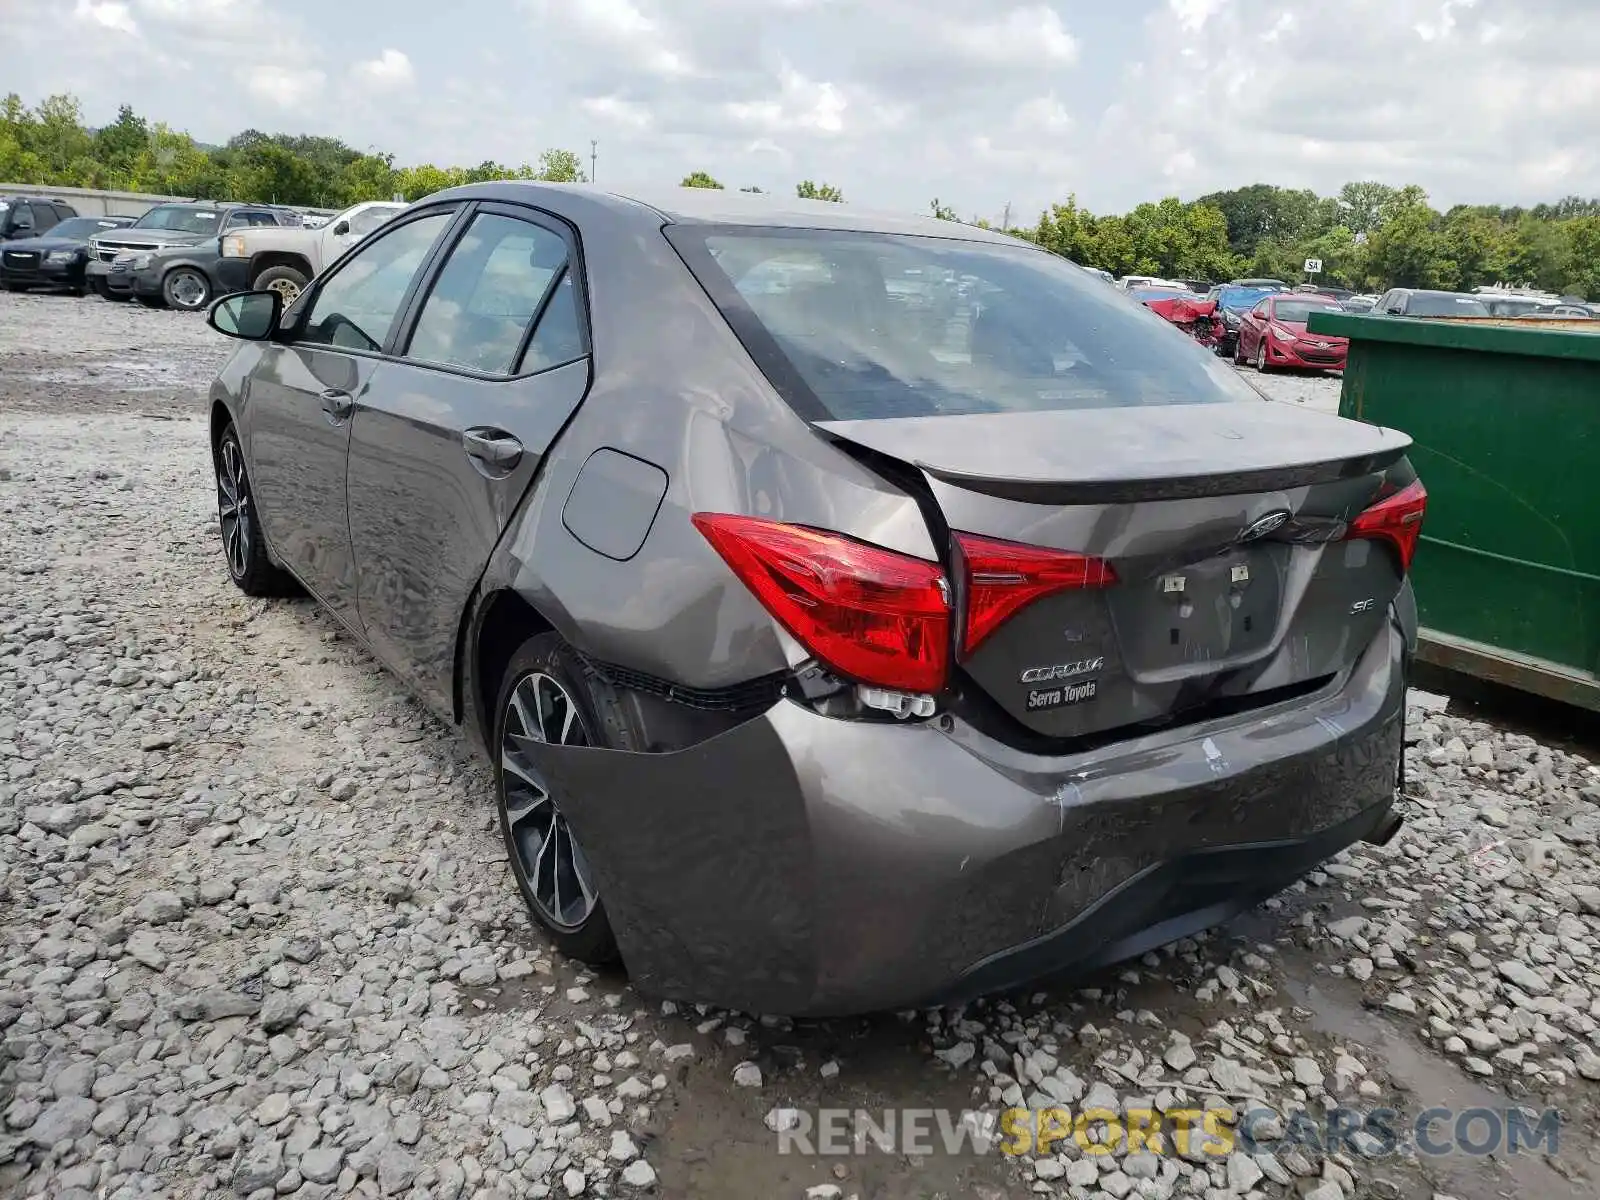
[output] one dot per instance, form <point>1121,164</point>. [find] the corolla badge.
<point>1261,526</point>
<point>1083,666</point>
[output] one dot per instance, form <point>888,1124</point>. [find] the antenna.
<point>592,155</point>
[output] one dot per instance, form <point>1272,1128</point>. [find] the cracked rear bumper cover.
<point>813,867</point>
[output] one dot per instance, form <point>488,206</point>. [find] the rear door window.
<point>487,295</point>
<point>860,325</point>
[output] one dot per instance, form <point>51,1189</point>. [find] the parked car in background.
<point>30,216</point>
<point>1276,285</point>
<point>1104,276</point>
<point>285,260</point>
<point>1513,306</point>
<point>810,684</point>
<point>1129,282</point>
<point>1273,335</point>
<point>1358,303</point>
<point>55,259</point>
<point>1332,291</point>
<point>1420,302</point>
<point>119,256</point>
<point>1568,312</point>
<point>1233,301</point>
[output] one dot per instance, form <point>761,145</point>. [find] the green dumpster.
<point>1506,425</point>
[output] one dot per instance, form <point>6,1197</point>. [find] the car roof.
<point>717,206</point>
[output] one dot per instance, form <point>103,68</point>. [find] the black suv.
<point>30,216</point>
<point>168,256</point>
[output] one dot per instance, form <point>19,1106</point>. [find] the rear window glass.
<point>1296,311</point>
<point>864,325</point>
<point>1424,305</point>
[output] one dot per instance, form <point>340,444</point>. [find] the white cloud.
<point>390,69</point>
<point>894,101</point>
<point>285,87</point>
<point>108,14</point>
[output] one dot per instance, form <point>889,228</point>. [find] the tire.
<point>1238,352</point>
<point>243,547</point>
<point>186,289</point>
<point>1261,356</point>
<point>545,665</point>
<point>77,290</point>
<point>115,297</point>
<point>286,281</point>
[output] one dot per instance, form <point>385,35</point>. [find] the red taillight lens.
<point>1005,577</point>
<point>872,615</point>
<point>1396,519</point>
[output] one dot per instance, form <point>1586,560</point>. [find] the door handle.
<point>337,404</point>
<point>492,447</point>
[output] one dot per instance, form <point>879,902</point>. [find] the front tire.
<point>245,550</point>
<point>286,281</point>
<point>549,695</point>
<point>1261,356</point>
<point>186,290</point>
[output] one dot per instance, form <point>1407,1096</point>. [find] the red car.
<point>1273,335</point>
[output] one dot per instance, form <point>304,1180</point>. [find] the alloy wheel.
<point>540,709</point>
<point>1261,355</point>
<point>233,507</point>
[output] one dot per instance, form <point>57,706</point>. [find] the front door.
<point>301,400</point>
<point>450,433</point>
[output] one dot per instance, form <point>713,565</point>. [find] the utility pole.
<point>592,155</point>
<point>1005,218</point>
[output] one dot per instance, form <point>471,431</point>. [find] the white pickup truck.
<point>285,259</point>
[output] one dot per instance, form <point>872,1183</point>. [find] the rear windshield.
<point>861,325</point>
<point>1424,305</point>
<point>1296,311</point>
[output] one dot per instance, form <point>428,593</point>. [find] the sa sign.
<point>1313,266</point>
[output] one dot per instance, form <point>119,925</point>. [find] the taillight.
<point>1003,578</point>
<point>1396,519</point>
<point>870,614</point>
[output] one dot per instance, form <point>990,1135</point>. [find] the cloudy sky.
<point>894,101</point>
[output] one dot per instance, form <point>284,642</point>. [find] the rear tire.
<point>548,694</point>
<point>243,547</point>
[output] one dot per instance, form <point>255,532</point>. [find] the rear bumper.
<point>814,867</point>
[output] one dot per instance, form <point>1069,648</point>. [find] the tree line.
<point>1369,236</point>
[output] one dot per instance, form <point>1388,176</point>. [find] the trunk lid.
<point>1223,526</point>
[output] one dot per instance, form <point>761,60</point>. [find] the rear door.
<point>302,396</point>
<point>447,437</point>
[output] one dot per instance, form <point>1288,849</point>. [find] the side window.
<point>44,216</point>
<point>1260,311</point>
<point>258,219</point>
<point>22,217</point>
<point>485,298</point>
<point>356,306</point>
<point>559,338</point>
<point>365,222</point>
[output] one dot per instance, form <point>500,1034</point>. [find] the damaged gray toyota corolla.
<point>859,611</point>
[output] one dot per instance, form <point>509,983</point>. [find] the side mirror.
<point>342,228</point>
<point>250,316</point>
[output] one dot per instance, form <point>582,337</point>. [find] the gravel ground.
<point>259,938</point>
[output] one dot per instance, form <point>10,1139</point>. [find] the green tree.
<point>1362,205</point>
<point>808,190</point>
<point>942,212</point>
<point>700,179</point>
<point>561,166</point>
<point>1406,250</point>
